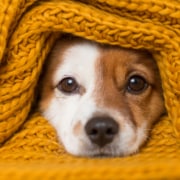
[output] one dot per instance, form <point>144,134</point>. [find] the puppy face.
<point>102,100</point>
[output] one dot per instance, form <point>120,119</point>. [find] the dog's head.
<point>102,100</point>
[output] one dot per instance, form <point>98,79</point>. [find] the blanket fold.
<point>28,29</point>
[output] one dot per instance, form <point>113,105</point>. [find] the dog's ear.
<point>41,79</point>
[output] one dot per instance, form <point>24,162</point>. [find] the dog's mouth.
<point>106,152</point>
<point>102,155</point>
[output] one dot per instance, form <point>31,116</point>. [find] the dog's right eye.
<point>68,85</point>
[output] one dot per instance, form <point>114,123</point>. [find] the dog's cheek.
<point>149,109</point>
<point>131,139</point>
<point>62,114</point>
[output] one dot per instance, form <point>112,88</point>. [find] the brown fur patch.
<point>114,68</point>
<point>77,128</point>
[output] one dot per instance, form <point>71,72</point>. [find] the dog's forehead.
<point>117,63</point>
<point>112,57</point>
<point>78,60</point>
<point>85,61</point>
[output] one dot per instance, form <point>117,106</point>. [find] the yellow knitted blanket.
<point>28,29</point>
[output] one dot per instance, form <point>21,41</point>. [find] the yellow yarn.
<point>28,29</point>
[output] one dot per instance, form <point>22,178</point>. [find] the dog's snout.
<point>101,130</point>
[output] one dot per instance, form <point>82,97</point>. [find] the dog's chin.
<point>105,152</point>
<point>101,154</point>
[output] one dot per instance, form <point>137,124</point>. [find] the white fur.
<point>65,111</point>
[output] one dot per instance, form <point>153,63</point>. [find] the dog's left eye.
<point>136,84</point>
<point>68,85</point>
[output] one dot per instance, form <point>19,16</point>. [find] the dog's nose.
<point>101,130</point>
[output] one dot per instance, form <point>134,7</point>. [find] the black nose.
<point>101,130</point>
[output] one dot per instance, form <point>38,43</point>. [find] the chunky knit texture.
<point>28,28</point>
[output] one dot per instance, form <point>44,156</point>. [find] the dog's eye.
<point>136,84</point>
<point>68,85</point>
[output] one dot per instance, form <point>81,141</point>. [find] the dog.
<point>102,100</point>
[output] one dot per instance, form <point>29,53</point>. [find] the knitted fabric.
<point>28,28</point>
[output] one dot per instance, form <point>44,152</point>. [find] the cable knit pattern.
<point>28,29</point>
